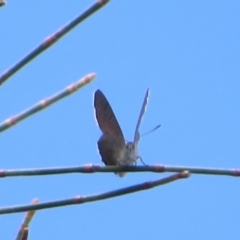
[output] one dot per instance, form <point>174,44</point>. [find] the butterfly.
<point>112,146</point>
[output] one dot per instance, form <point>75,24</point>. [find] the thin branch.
<point>47,102</point>
<point>49,41</point>
<point>23,230</point>
<point>24,235</point>
<point>90,168</point>
<point>97,197</point>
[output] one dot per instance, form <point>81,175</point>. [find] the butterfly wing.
<point>105,116</point>
<point>143,109</point>
<point>111,149</point>
<point>111,144</point>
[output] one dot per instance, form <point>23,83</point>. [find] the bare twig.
<point>24,235</point>
<point>23,230</point>
<point>97,197</point>
<point>52,39</point>
<point>47,102</point>
<point>90,168</point>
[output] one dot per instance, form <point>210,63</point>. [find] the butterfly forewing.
<point>143,109</point>
<point>105,116</point>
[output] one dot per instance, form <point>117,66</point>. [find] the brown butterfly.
<point>112,146</point>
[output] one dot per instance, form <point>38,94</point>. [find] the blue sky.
<point>187,53</point>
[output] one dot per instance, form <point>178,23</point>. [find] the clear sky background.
<point>187,53</point>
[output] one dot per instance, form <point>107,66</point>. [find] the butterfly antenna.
<point>158,126</point>
<point>143,161</point>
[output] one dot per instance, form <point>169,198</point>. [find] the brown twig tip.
<point>23,230</point>
<point>184,174</point>
<point>102,2</point>
<point>30,214</point>
<point>81,82</point>
<point>2,3</point>
<point>24,235</point>
<point>88,78</point>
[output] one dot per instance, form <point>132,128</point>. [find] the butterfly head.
<point>131,149</point>
<point>130,156</point>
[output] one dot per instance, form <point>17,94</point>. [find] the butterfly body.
<point>112,146</point>
<point>114,153</point>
